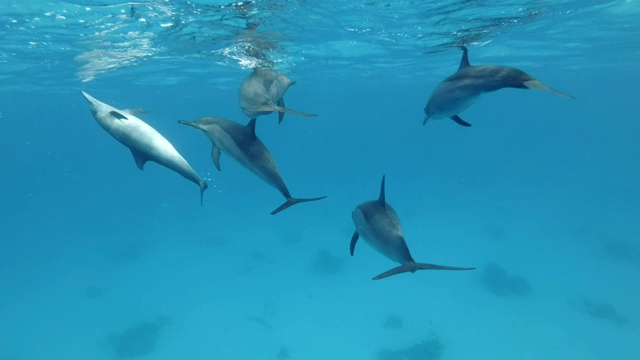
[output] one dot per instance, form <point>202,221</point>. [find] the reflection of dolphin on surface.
<point>262,93</point>
<point>460,90</point>
<point>242,144</point>
<point>145,142</point>
<point>379,225</point>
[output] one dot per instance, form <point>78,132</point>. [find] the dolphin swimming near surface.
<point>460,90</point>
<point>262,93</point>
<point>379,225</point>
<point>145,142</point>
<point>241,143</point>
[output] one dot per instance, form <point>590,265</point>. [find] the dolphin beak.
<point>190,123</point>
<point>93,102</point>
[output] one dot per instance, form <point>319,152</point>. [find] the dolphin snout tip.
<point>92,101</point>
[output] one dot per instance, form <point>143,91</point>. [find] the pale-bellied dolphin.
<point>262,93</point>
<point>460,90</point>
<point>241,143</point>
<point>145,142</point>
<point>379,225</point>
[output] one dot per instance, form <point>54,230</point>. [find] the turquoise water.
<point>99,260</point>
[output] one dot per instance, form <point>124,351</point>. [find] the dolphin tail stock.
<point>293,201</point>
<point>413,267</point>
<point>536,84</point>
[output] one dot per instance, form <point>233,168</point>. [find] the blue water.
<point>99,260</point>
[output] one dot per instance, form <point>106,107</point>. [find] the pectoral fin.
<point>459,121</point>
<point>118,115</point>
<point>281,114</point>
<point>140,158</point>
<point>215,156</point>
<point>354,240</point>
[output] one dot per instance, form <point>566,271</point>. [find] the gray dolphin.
<point>241,143</point>
<point>379,225</point>
<point>145,142</point>
<point>460,90</point>
<point>262,93</point>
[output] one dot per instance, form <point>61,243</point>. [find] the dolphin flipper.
<point>215,156</point>
<point>459,121</point>
<point>354,240</point>
<point>280,113</point>
<point>140,158</point>
<point>413,267</point>
<point>293,201</point>
<point>118,115</point>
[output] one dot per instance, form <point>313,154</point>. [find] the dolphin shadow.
<point>325,263</point>
<point>498,282</point>
<point>603,311</point>
<point>424,350</point>
<point>138,340</point>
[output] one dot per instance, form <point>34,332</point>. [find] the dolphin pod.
<point>262,93</point>
<point>459,91</point>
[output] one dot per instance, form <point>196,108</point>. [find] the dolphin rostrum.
<point>379,225</point>
<point>262,93</point>
<point>145,142</point>
<point>241,143</point>
<point>460,90</point>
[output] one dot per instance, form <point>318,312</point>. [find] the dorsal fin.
<point>464,62</point>
<point>252,126</point>
<point>381,197</point>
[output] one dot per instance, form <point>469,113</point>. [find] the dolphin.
<point>241,143</point>
<point>262,93</point>
<point>145,142</point>
<point>460,90</point>
<point>379,225</point>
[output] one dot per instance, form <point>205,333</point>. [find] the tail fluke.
<point>283,110</point>
<point>413,267</point>
<point>535,84</point>
<point>293,201</point>
<point>203,187</point>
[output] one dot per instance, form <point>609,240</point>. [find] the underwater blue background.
<point>99,260</point>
